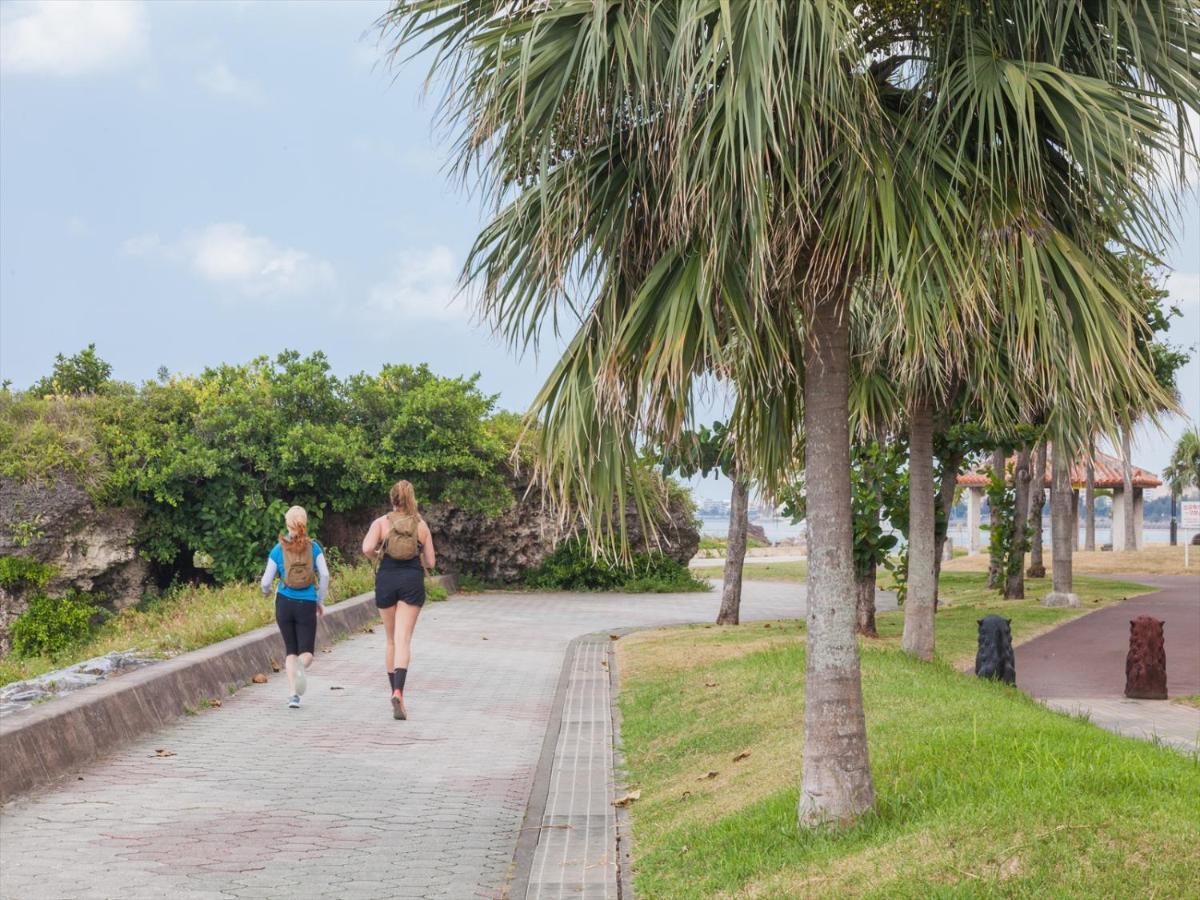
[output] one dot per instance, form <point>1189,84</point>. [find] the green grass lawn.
<point>981,791</point>
<point>182,620</point>
<point>784,571</point>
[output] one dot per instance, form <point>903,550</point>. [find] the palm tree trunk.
<point>1014,583</point>
<point>918,607</point>
<point>865,589</point>
<point>1089,500</point>
<point>994,561</point>
<point>1037,492</point>
<point>945,503</point>
<point>1127,497</point>
<point>835,784</point>
<point>1174,517</point>
<point>735,554</point>
<point>1061,498</point>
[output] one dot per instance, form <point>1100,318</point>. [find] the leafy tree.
<point>1183,471</point>
<point>704,186</point>
<point>708,452</point>
<point>77,375</point>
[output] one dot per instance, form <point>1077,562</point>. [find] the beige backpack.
<point>401,542</point>
<point>297,571</point>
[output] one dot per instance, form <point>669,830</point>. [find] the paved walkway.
<point>337,799</point>
<point>1080,667</point>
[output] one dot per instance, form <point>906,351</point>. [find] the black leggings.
<point>297,621</point>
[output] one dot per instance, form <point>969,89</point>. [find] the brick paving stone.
<point>337,798</point>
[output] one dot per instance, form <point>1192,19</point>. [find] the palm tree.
<point>703,186</point>
<point>1183,471</point>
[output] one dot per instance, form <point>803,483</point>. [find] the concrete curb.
<point>41,744</point>
<point>535,808</point>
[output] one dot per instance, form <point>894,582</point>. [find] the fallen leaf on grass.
<point>214,702</point>
<point>683,849</point>
<point>685,795</point>
<point>710,684</point>
<point>614,637</point>
<point>274,664</point>
<point>627,799</point>
<point>259,678</point>
<point>741,756</point>
<point>162,751</point>
<point>368,630</point>
<point>708,775</point>
<point>768,625</point>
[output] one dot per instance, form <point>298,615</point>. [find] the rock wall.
<point>501,549</point>
<point>90,549</point>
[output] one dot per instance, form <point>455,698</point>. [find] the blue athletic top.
<point>308,593</point>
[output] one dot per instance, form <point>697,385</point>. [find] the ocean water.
<point>779,528</point>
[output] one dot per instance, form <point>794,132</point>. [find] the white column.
<point>1118,519</point>
<point>1138,508</point>
<point>974,508</point>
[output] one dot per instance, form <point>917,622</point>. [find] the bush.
<point>22,571</point>
<point>574,567</point>
<point>52,625</point>
<point>216,459</point>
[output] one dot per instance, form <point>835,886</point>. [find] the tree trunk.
<point>735,554</point>
<point>1174,517</point>
<point>918,607</point>
<point>945,503</point>
<point>994,561</point>
<point>1061,497</point>
<point>865,588</point>
<point>1089,500</point>
<point>1127,474</point>
<point>1037,493</point>
<point>835,784</point>
<point>1014,583</point>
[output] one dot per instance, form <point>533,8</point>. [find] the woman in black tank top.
<point>404,547</point>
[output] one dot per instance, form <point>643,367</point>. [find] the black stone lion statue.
<point>994,658</point>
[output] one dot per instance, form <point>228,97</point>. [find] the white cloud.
<point>71,37</point>
<point>423,285</point>
<point>226,253</point>
<point>1183,287</point>
<point>219,80</point>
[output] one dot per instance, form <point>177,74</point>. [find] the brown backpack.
<point>401,542</point>
<point>297,571</point>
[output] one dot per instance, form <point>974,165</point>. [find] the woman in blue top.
<point>299,601</point>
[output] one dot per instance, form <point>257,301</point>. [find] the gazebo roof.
<point>1106,474</point>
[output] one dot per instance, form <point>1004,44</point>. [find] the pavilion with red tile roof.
<point>1106,475</point>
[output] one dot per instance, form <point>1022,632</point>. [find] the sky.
<point>191,183</point>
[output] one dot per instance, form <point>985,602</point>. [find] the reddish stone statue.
<point>1146,664</point>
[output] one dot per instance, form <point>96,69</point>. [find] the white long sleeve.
<point>269,575</point>
<point>323,578</point>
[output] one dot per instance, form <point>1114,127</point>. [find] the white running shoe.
<point>301,678</point>
<point>294,701</point>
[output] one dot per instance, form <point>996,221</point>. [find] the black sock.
<point>392,680</point>
<point>398,679</point>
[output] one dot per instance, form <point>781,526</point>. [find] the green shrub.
<point>23,571</point>
<point>574,567</point>
<point>51,625</point>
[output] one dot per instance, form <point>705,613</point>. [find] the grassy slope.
<point>981,791</point>
<point>183,620</point>
<point>785,571</point>
<point>1153,559</point>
